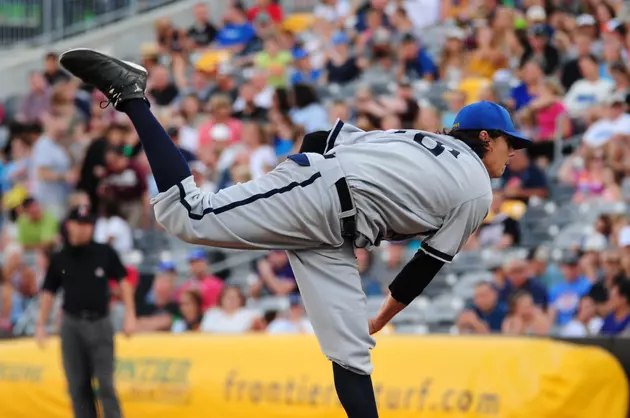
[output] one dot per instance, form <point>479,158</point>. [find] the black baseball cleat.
<point>118,80</point>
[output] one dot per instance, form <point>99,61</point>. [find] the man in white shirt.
<point>589,91</point>
<point>615,124</point>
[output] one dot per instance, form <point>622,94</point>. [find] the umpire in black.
<point>83,269</point>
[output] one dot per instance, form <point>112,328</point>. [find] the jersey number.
<point>434,147</point>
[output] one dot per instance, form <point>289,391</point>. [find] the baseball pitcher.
<point>347,189</point>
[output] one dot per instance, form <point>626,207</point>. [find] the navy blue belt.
<point>348,223</point>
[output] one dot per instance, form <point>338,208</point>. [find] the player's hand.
<point>41,336</point>
<point>374,326</point>
<point>129,325</point>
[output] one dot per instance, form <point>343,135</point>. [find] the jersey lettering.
<point>433,146</point>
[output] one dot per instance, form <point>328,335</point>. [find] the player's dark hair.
<point>471,138</point>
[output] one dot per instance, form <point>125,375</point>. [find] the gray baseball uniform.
<point>403,184</point>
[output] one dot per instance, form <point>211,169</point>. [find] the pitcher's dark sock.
<point>167,163</point>
<point>355,392</point>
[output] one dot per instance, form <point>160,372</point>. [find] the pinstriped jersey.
<point>410,183</point>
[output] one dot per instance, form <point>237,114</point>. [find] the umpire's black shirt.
<point>84,272</point>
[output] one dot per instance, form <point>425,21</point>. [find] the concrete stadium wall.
<point>122,39</point>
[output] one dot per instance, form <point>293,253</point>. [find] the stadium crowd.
<point>238,96</point>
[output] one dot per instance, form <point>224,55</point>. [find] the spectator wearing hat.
<point>523,179</point>
<point>270,7</point>
<point>125,182</point>
<point>618,320</point>
<point>274,61</point>
<point>275,276</point>
<point>341,66</point>
<point>206,284</point>
<point>36,227</point>
<point>518,277</point>
<point>564,297</point>
<point>160,306</point>
<point>202,32</point>
<point>485,314</point>
<point>237,31</point>
<point>83,269</point>
<point>292,322</point>
<point>590,90</point>
<point>416,61</point>
<point>303,71</point>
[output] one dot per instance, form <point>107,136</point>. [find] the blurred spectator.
<point>499,230</point>
<point>260,156</point>
<point>564,297</point>
<point>19,285</point>
<point>231,316</point>
<point>174,133</point>
<point>161,306</point>
<point>540,48</point>
<point>370,282</point>
<point>415,60</point>
<point>487,58</point>
<point>52,172</point>
<point>36,103</point>
<point>191,312</point>
<point>275,276</point>
<point>586,322</point>
<point>614,123</point>
<point>332,10</point>
<point>169,38</point>
<point>523,179</point>
<point>341,66</point>
<point>293,322</point>
<point>518,278</point>
<point>542,268</point>
<point>202,32</point>
<point>52,73</point>
<point>209,286</point>
<point>588,91</point>
<point>17,171</point>
<point>307,111</point>
<point>611,273</point>
<point>36,227</point>
<point>524,317</point>
<point>111,228</point>
<point>269,7</point>
<point>588,172</point>
<point>274,61</point>
<point>125,183</point>
<point>250,111</point>
<point>456,101</point>
<point>236,32</point>
<point>222,129</point>
<point>160,88</point>
<point>571,71</point>
<point>618,321</point>
<point>485,315</point>
<point>531,74</point>
<point>303,69</point>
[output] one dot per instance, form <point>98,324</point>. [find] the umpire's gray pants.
<point>295,207</point>
<point>87,349</point>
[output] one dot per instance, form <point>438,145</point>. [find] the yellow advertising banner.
<point>261,376</point>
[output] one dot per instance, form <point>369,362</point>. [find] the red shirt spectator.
<point>265,6</point>
<point>209,286</point>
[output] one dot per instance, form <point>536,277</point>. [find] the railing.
<point>39,22</point>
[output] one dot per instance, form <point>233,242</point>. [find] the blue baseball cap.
<point>166,266</point>
<point>340,38</point>
<point>488,116</point>
<point>197,254</point>
<point>299,53</point>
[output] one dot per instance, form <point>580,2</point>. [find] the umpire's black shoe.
<point>118,80</point>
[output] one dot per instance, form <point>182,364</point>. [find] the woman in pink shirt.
<point>208,286</point>
<point>222,127</point>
